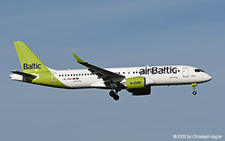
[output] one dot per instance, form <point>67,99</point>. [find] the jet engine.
<point>137,86</point>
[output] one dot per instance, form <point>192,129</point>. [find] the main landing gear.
<point>114,95</point>
<point>194,85</point>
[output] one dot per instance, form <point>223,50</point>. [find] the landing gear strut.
<point>114,95</point>
<point>194,85</point>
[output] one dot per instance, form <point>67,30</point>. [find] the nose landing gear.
<point>194,85</point>
<point>114,95</point>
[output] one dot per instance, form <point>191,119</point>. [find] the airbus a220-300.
<point>136,80</point>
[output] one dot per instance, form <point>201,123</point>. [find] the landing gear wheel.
<point>112,93</point>
<point>116,97</point>
<point>194,92</point>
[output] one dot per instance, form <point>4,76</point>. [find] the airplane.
<point>136,80</point>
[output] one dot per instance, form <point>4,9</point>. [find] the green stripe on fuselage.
<point>48,79</point>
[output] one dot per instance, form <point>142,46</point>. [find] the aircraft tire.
<point>116,97</point>
<point>194,92</point>
<point>112,93</point>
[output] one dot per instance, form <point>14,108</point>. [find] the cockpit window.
<point>198,70</point>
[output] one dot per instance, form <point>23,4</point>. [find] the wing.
<point>110,79</point>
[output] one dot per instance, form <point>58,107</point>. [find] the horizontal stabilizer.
<point>24,74</point>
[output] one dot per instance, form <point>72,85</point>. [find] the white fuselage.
<point>155,75</point>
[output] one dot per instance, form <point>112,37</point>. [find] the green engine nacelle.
<point>137,86</point>
<point>135,82</point>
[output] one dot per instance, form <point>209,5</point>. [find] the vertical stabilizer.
<point>30,63</point>
<point>34,71</point>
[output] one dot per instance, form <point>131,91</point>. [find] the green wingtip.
<point>78,58</point>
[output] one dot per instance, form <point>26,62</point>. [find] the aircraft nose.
<point>207,77</point>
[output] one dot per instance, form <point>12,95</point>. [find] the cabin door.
<point>185,72</point>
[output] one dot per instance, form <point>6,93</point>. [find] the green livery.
<point>32,65</point>
<point>135,83</point>
<point>137,86</point>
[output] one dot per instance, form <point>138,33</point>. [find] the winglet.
<point>78,58</point>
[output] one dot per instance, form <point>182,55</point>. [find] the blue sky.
<point>112,34</point>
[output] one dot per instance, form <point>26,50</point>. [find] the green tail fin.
<point>30,63</point>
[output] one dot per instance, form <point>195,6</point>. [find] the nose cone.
<point>207,77</point>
